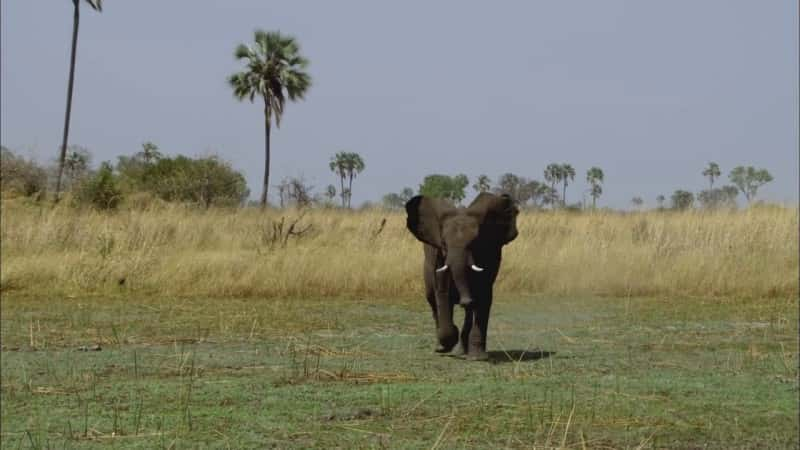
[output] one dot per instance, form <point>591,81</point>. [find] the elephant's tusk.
<point>476,268</point>
<point>442,269</point>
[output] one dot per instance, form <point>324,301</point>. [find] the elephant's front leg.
<point>480,326</point>
<point>466,329</point>
<point>446,332</point>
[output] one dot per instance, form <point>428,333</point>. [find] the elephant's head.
<point>468,238</point>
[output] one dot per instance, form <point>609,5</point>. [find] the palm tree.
<point>712,171</point>
<point>552,174</point>
<point>594,177</point>
<point>567,175</point>
<point>347,165</point>
<point>275,70</point>
<point>660,200</point>
<point>96,5</point>
<point>339,167</point>
<point>355,165</point>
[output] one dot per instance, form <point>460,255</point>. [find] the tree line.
<point>552,192</point>
<point>745,180</point>
<point>204,181</point>
<point>527,192</point>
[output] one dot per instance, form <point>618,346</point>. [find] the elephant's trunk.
<point>459,261</point>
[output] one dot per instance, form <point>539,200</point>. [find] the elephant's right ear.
<point>424,218</point>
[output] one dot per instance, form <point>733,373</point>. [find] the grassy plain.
<point>651,330</point>
<point>593,372</point>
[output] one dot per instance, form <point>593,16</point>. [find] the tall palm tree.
<point>712,171</point>
<point>594,177</point>
<point>567,175</point>
<point>275,70</point>
<point>96,5</point>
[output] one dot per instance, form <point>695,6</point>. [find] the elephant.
<point>463,249</point>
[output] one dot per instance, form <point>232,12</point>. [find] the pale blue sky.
<point>648,90</point>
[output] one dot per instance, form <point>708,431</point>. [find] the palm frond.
<point>242,51</point>
<point>96,5</point>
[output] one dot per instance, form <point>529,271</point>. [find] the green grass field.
<point>569,372</point>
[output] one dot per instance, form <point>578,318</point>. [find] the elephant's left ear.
<point>498,215</point>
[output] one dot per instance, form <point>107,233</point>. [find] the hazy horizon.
<point>650,92</point>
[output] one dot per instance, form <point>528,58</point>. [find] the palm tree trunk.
<point>344,199</point>
<point>564,195</point>
<point>350,190</point>
<point>266,155</point>
<point>63,155</point>
<point>594,201</point>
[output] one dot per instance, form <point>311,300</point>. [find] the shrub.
<point>204,181</point>
<point>101,190</point>
<point>21,176</point>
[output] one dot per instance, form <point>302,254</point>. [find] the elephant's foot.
<point>447,340</point>
<point>442,349</point>
<point>477,356</point>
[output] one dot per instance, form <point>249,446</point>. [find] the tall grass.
<point>172,250</point>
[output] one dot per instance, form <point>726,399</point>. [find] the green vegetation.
<point>749,180</point>
<point>101,190</point>
<point>202,181</point>
<point>444,186</point>
<point>20,176</point>
<point>682,200</point>
<point>566,372</point>
<point>724,197</point>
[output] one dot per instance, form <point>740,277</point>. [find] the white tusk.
<point>476,268</point>
<point>442,269</point>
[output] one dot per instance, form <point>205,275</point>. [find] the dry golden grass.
<point>173,250</point>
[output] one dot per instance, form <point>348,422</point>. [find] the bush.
<point>204,181</point>
<point>724,197</point>
<point>101,190</point>
<point>21,176</point>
